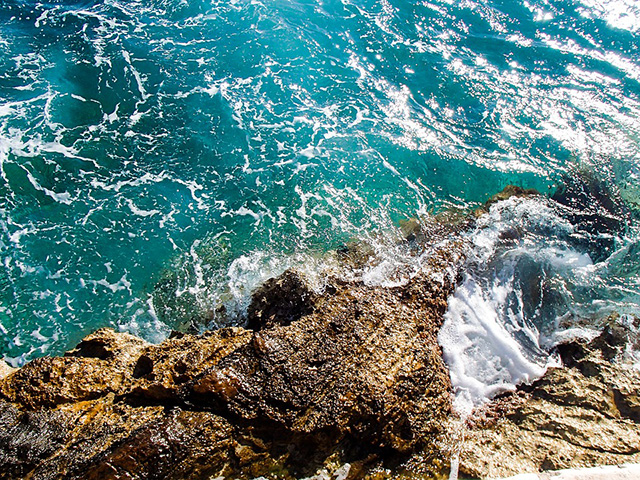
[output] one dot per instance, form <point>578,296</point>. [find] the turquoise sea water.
<point>161,157</point>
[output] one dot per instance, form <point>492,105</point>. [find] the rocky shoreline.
<point>355,377</point>
<point>583,414</point>
<point>346,383</point>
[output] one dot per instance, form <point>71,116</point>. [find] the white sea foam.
<point>113,287</point>
<point>247,272</point>
<point>145,323</point>
<point>483,356</point>
<point>520,284</point>
<point>140,212</point>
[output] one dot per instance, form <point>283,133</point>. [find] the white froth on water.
<point>226,292</point>
<point>145,323</point>
<point>484,358</point>
<point>521,294</point>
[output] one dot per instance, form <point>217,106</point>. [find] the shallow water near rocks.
<point>161,159</point>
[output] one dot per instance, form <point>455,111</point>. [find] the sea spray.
<point>529,283</point>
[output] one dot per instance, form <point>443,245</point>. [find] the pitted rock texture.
<point>354,376</point>
<point>581,415</point>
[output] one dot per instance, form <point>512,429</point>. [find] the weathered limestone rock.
<point>366,364</point>
<point>354,376</point>
<point>101,364</point>
<point>581,415</point>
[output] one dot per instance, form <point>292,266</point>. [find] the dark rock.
<point>628,403</point>
<point>427,231</point>
<point>280,301</point>
<point>593,206</point>
<point>597,212</point>
<point>28,438</point>
<point>176,445</point>
<point>356,253</point>
<point>353,376</point>
<point>144,367</point>
<point>612,341</point>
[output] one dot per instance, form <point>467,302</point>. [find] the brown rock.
<point>105,344</point>
<point>506,193</point>
<point>353,376</point>
<point>101,364</point>
<point>581,415</point>
<point>162,371</point>
<point>366,363</point>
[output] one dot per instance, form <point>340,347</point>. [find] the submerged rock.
<point>592,203</point>
<point>598,212</point>
<point>353,380</point>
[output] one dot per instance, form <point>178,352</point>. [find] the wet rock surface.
<point>583,414</point>
<point>343,383</point>
<point>280,301</point>
<point>508,192</point>
<point>351,381</point>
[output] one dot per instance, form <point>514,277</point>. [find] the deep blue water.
<point>194,148</point>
